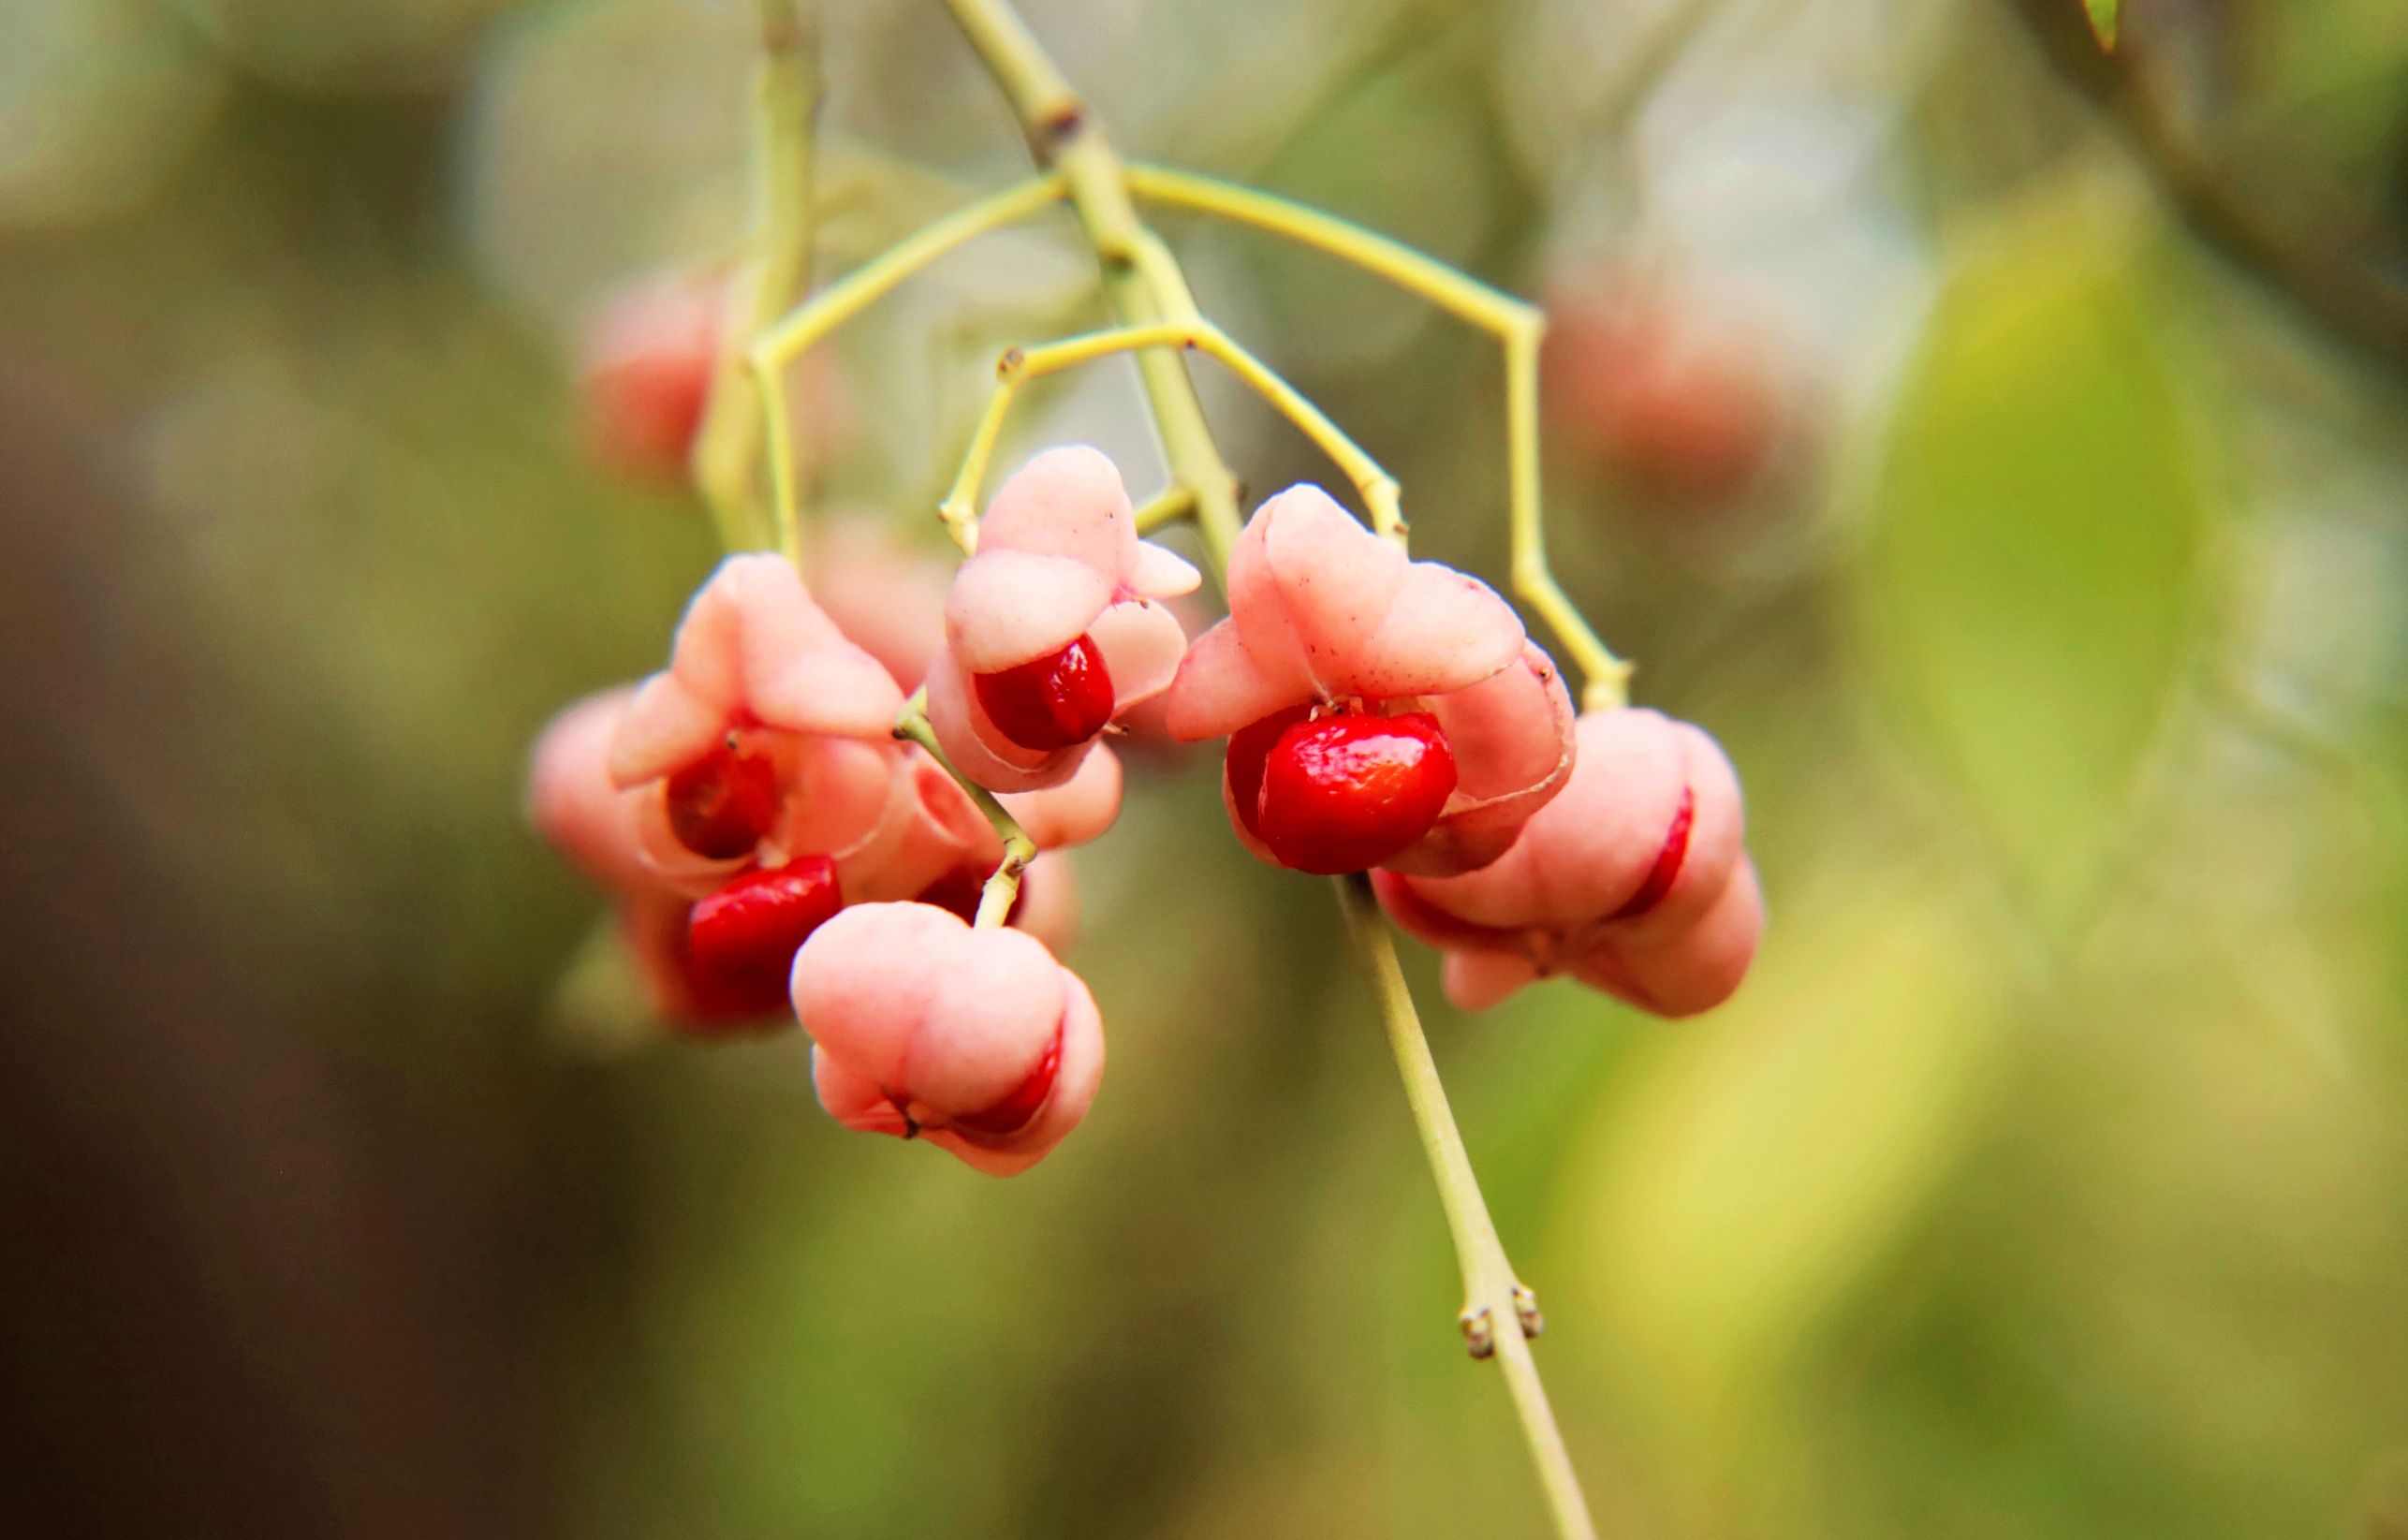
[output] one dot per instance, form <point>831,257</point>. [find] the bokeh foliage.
<point>2047,1180</point>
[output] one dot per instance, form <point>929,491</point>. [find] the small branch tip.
<point>1526,1309</point>
<point>1479,1332</point>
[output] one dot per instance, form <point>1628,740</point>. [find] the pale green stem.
<point>1169,507</point>
<point>729,442</point>
<point>1516,325</point>
<point>960,507</point>
<point>1499,1315</point>
<point>1003,886</point>
<point>776,348</point>
<point>1140,281</point>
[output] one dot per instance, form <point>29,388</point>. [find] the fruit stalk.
<point>787,99</point>
<point>1145,288</point>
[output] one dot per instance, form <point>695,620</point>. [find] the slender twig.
<point>1499,1315</point>
<point>1141,282</point>
<point>729,442</point>
<point>1515,324</point>
<point>1143,285</point>
<point>1003,886</point>
<point>2354,297</point>
<point>1168,507</point>
<point>960,507</point>
<point>776,347</point>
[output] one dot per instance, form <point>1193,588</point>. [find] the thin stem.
<point>1605,679</point>
<point>1458,293</point>
<point>960,507</point>
<point>1141,282</point>
<point>1516,325</point>
<point>776,349</point>
<point>1003,888</point>
<point>1499,1315</point>
<point>1172,505</point>
<point>729,440</point>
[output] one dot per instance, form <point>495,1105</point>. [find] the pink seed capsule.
<point>1328,621</point>
<point>1634,880</point>
<point>975,1040</point>
<point>1055,629</point>
<point>1055,701</point>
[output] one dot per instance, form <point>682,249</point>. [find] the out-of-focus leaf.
<point>2103,20</point>
<point>2038,530</point>
<point>100,100</point>
<point>1755,1162</point>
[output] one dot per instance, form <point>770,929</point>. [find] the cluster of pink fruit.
<point>780,852</point>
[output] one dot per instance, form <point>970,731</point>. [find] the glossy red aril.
<point>721,805</point>
<point>1341,792</point>
<point>1020,1108</point>
<point>742,938</point>
<point>1666,868</point>
<point>1051,702</point>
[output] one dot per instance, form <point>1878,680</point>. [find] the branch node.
<point>1526,1309</point>
<point>1058,125</point>
<point>1479,1331</point>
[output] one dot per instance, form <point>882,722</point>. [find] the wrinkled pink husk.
<point>979,752</point>
<point>1690,972</point>
<point>753,650</point>
<point>1048,904</point>
<point>1079,810</point>
<point>1547,906</point>
<point>1680,975</point>
<point>1586,853</point>
<point>1058,545</point>
<point>912,1011</point>
<point>1141,643</point>
<point>1476,978</point>
<point>933,830</point>
<point>1513,741</point>
<point>1320,609</point>
<point>1010,606</point>
<point>572,802</point>
<point>846,799</point>
<point>1075,1080</point>
<point>944,832</point>
<point>1717,839</point>
<point>1514,745</point>
<point>1058,558</point>
<point>886,595</point>
<point>1070,502</point>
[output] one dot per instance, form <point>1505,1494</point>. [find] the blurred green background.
<point>2049,1177</point>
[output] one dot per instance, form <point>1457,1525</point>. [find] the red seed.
<point>721,805</point>
<point>1250,757</point>
<point>1051,702</point>
<point>1668,860</point>
<point>1020,1108</point>
<point>1347,792</point>
<point>740,940</point>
